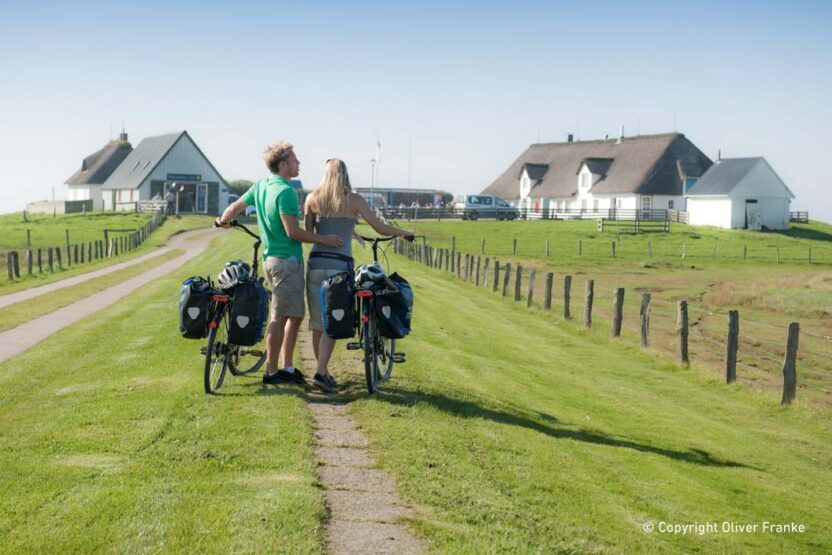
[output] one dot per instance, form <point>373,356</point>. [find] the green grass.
<point>632,248</point>
<point>512,432</point>
<point>768,296</point>
<point>24,311</point>
<point>107,442</point>
<point>170,227</point>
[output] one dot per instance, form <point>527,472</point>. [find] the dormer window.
<point>584,180</point>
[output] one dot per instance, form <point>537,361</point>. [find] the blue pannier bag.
<point>338,305</point>
<point>194,308</point>
<point>249,313</point>
<point>394,311</point>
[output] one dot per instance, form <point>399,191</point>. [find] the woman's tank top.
<point>342,227</point>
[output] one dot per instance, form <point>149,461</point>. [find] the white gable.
<point>761,181</point>
<point>185,157</point>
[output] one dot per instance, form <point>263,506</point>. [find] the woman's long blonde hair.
<point>331,195</point>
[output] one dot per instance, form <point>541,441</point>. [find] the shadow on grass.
<point>803,233</point>
<point>540,422</point>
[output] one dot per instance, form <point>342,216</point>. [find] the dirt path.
<point>364,512</point>
<point>178,241</point>
<point>25,336</point>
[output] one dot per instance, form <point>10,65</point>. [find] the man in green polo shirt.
<point>276,202</point>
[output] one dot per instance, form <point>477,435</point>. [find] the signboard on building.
<point>184,177</point>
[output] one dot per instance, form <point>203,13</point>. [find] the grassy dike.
<point>172,226</point>
<point>512,432</point>
<point>107,442</point>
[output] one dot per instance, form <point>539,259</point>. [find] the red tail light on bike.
<point>214,325</point>
<point>364,294</point>
<point>365,319</point>
<point>220,299</point>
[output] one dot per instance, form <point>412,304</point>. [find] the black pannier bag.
<point>338,305</point>
<point>249,313</point>
<point>194,308</point>
<point>395,310</point>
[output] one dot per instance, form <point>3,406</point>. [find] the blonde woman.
<point>332,209</point>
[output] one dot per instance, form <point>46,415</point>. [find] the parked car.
<point>474,207</point>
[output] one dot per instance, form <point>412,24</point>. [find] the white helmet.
<point>368,274</point>
<point>233,273</point>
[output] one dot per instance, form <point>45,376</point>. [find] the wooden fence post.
<point>477,275</point>
<point>506,278</point>
<point>790,365</point>
<point>580,247</point>
<point>745,252</point>
<point>50,259</point>
<point>467,267</point>
<point>485,267</point>
<point>684,249</point>
<point>59,257</point>
<point>40,260</point>
<point>459,265</point>
<point>644,312</point>
<point>778,255</point>
<point>514,246</point>
<point>9,266</point>
<point>28,237</point>
<point>449,260</point>
<point>496,275</point>
<point>618,312</point>
<point>482,245</point>
<point>531,288</point>
<point>547,247</point>
<point>518,278</point>
<point>810,255</point>
<point>547,295</point>
<point>453,260</point>
<point>567,293</point>
<point>29,261</point>
<point>612,249</point>
<point>682,331</point>
<point>75,254</point>
<point>589,297</point>
<point>733,346</point>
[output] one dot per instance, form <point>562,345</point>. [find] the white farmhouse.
<point>155,165</point>
<point>644,172</point>
<point>740,193</point>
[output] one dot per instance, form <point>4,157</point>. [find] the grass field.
<point>507,429</point>
<point>768,296</point>
<point>107,442</point>
<point>512,432</point>
<point>81,228</point>
<point>700,243</point>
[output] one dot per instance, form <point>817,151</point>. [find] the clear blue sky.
<point>470,83</point>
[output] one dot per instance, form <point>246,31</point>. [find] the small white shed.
<point>740,193</point>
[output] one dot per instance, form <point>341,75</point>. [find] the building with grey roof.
<point>162,165</point>
<point>85,184</point>
<point>641,172</point>
<point>740,193</point>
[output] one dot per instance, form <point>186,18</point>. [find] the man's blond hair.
<point>277,153</point>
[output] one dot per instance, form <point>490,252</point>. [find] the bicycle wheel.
<point>387,348</point>
<point>245,360</point>
<point>216,356</point>
<point>368,330</point>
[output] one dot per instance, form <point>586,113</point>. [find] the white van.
<point>473,207</point>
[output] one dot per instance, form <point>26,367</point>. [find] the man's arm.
<point>235,208</point>
<point>293,230</point>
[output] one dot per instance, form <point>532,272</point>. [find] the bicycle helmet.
<point>368,274</point>
<point>233,273</point>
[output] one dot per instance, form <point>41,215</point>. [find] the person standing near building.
<point>276,203</point>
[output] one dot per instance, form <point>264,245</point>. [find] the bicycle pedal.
<point>399,358</point>
<point>253,352</point>
<point>353,346</point>
<point>203,349</point>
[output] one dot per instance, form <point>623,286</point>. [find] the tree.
<point>239,186</point>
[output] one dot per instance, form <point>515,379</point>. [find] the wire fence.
<point>767,354</point>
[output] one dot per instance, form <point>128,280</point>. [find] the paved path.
<point>176,242</point>
<point>363,507</point>
<point>25,336</point>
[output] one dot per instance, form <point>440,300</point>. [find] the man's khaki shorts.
<point>314,278</point>
<point>286,277</point>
